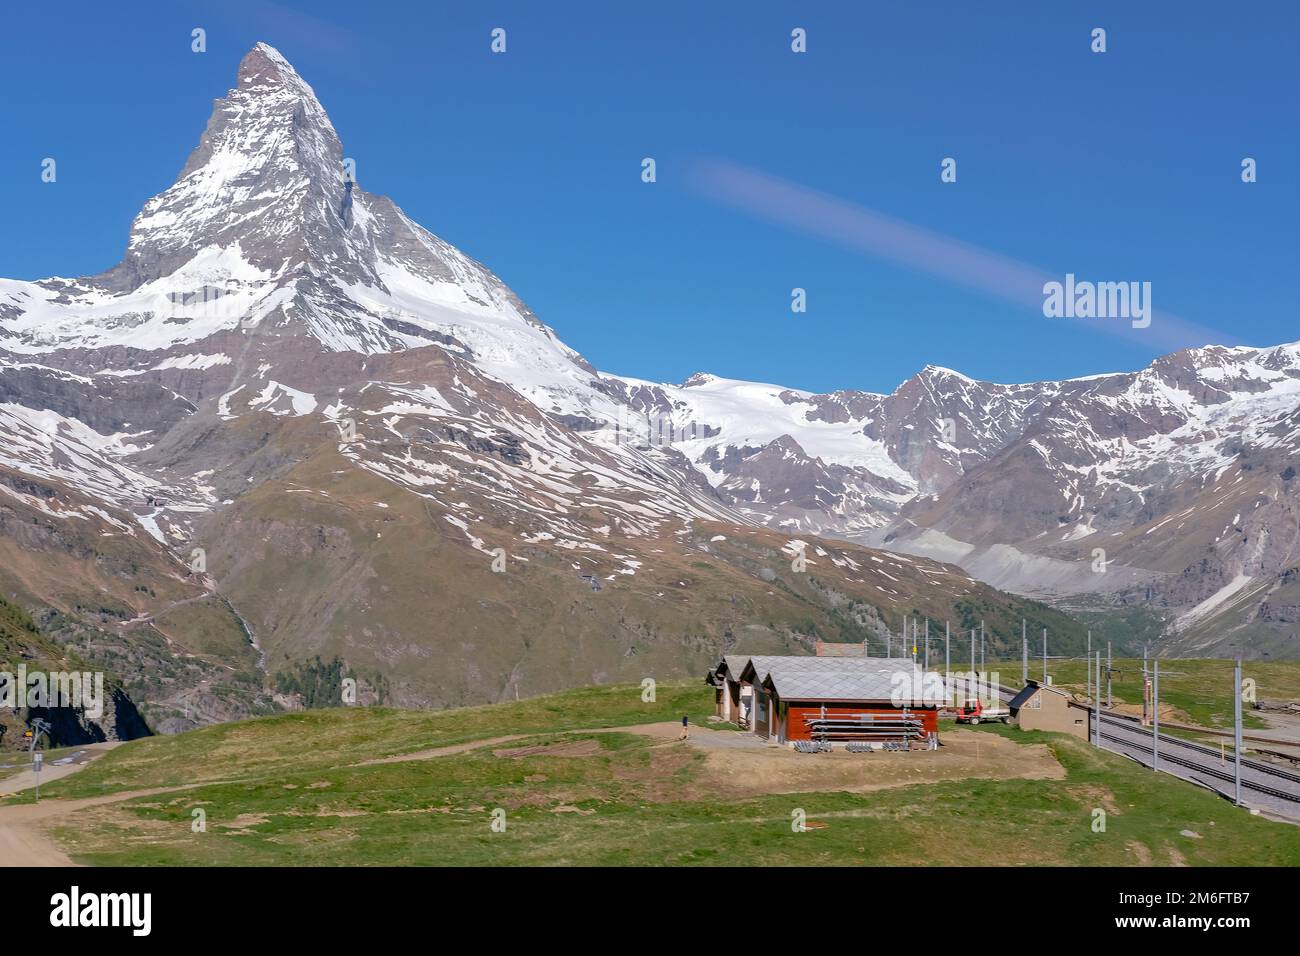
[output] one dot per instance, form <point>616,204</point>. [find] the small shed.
<point>1044,707</point>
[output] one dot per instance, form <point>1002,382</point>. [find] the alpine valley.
<point>294,436</point>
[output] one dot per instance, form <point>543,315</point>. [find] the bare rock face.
<point>27,654</point>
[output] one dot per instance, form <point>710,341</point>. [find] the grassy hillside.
<point>110,594</point>
<point>291,790</point>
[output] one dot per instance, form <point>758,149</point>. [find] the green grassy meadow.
<point>287,790</point>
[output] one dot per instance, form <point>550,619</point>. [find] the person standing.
<point>686,727</point>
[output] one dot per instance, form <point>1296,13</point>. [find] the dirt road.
<point>22,842</point>
<point>53,770</point>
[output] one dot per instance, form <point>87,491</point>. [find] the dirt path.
<point>22,842</point>
<point>26,845</point>
<point>26,779</point>
<point>667,730</point>
<point>444,751</point>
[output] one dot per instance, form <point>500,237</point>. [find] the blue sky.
<point>1117,166</point>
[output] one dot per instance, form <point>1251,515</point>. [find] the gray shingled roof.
<point>848,678</point>
<point>735,664</point>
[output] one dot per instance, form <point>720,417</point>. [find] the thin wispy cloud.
<point>865,230</point>
<point>298,29</point>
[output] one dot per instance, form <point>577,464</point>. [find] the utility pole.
<point>40,726</point>
<point>1236,731</point>
<point>1110,662</point>
<point>1155,713</point>
<point>1088,657</point>
<point>1044,655</point>
<point>983,652</point>
<point>947,656</point>
<point>1145,717</point>
<point>1024,652</point>
<point>1096,708</point>
<point>927,643</point>
<point>974,673</point>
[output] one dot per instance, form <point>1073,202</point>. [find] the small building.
<point>1044,707</point>
<point>839,698</point>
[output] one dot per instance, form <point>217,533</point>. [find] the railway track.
<point>1246,762</point>
<point>1127,734</point>
<point>1201,768</point>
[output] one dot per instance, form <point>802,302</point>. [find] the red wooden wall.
<point>795,728</point>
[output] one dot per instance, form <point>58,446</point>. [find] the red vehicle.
<point>974,711</point>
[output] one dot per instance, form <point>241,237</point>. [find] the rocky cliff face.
<point>26,652</point>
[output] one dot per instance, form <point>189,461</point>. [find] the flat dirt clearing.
<point>741,765</point>
<point>755,771</point>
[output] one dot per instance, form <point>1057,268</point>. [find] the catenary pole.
<point>1155,713</point>
<point>1236,732</point>
<point>947,656</point>
<point>1088,661</point>
<point>974,673</point>
<point>1110,662</point>
<point>1146,698</point>
<point>1096,708</point>
<point>1024,652</point>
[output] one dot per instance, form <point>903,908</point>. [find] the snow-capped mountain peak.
<point>267,174</point>
<point>266,230</point>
